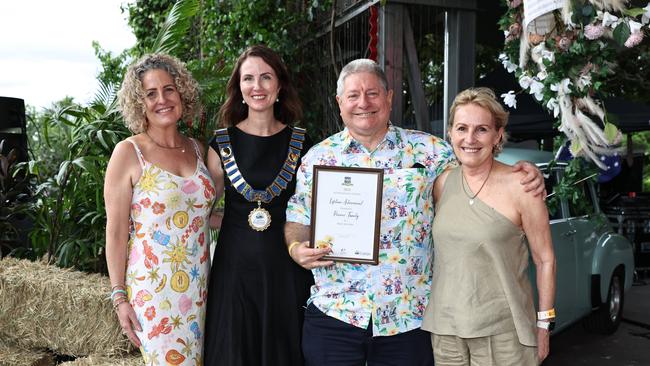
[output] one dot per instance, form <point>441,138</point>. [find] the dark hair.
<point>288,110</point>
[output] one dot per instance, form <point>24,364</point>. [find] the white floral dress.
<point>168,261</point>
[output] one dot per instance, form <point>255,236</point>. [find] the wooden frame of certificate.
<point>346,212</point>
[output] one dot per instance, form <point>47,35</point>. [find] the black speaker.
<point>12,126</point>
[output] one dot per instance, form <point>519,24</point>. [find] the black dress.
<point>256,292</point>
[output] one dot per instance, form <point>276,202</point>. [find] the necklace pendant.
<point>471,201</point>
<point>259,219</point>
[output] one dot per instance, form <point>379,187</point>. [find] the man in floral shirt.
<point>361,313</point>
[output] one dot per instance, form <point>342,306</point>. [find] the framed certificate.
<point>346,212</point>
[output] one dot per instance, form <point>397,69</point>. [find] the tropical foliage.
<point>68,209</point>
<point>71,143</point>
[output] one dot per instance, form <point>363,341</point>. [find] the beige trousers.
<point>498,350</point>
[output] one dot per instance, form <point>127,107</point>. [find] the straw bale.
<point>44,306</point>
<point>12,355</point>
<point>130,360</point>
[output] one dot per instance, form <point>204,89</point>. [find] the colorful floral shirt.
<point>395,292</point>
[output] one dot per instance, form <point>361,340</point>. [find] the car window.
<point>581,203</point>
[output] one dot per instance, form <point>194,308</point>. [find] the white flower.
<point>537,89</point>
<point>510,99</point>
<point>634,26</point>
<point>542,74</point>
<point>562,88</point>
<point>610,20</point>
<point>583,81</point>
<point>552,105</point>
<point>645,18</point>
<point>569,22</point>
<point>540,52</point>
<point>549,55</point>
<point>509,66</point>
<point>536,52</point>
<point>525,81</point>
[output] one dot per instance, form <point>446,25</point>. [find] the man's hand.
<point>310,258</point>
<point>534,180</point>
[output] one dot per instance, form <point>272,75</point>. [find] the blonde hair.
<point>131,94</point>
<point>485,98</point>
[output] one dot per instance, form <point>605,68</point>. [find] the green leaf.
<point>63,170</point>
<point>621,33</point>
<point>176,26</point>
<point>102,140</point>
<point>633,12</point>
<point>575,147</point>
<point>611,133</point>
<point>84,163</point>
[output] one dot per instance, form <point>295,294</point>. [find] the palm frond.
<point>176,26</point>
<point>105,94</point>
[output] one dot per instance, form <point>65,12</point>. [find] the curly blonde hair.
<point>131,94</point>
<point>485,98</point>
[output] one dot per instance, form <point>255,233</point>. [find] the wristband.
<point>548,314</point>
<point>544,324</point>
<point>290,247</point>
<point>116,292</point>
<point>119,301</point>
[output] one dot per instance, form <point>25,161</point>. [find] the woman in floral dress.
<point>158,197</point>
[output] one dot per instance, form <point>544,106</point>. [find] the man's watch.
<point>546,324</point>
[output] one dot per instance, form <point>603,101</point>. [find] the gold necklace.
<point>182,147</point>
<point>464,181</point>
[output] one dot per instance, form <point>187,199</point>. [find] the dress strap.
<point>138,152</point>
<point>196,148</point>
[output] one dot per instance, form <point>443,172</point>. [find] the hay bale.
<point>12,355</point>
<point>44,306</point>
<point>130,360</point>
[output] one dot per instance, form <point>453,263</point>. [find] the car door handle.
<point>569,233</point>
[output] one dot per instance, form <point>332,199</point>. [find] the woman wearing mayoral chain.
<point>256,291</point>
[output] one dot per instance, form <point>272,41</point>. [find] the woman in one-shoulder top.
<point>481,309</point>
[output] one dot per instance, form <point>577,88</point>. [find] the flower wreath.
<point>563,58</point>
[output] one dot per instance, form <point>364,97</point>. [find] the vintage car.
<point>594,264</point>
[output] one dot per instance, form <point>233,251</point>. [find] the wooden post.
<point>415,79</point>
<point>460,39</point>
<point>391,44</point>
